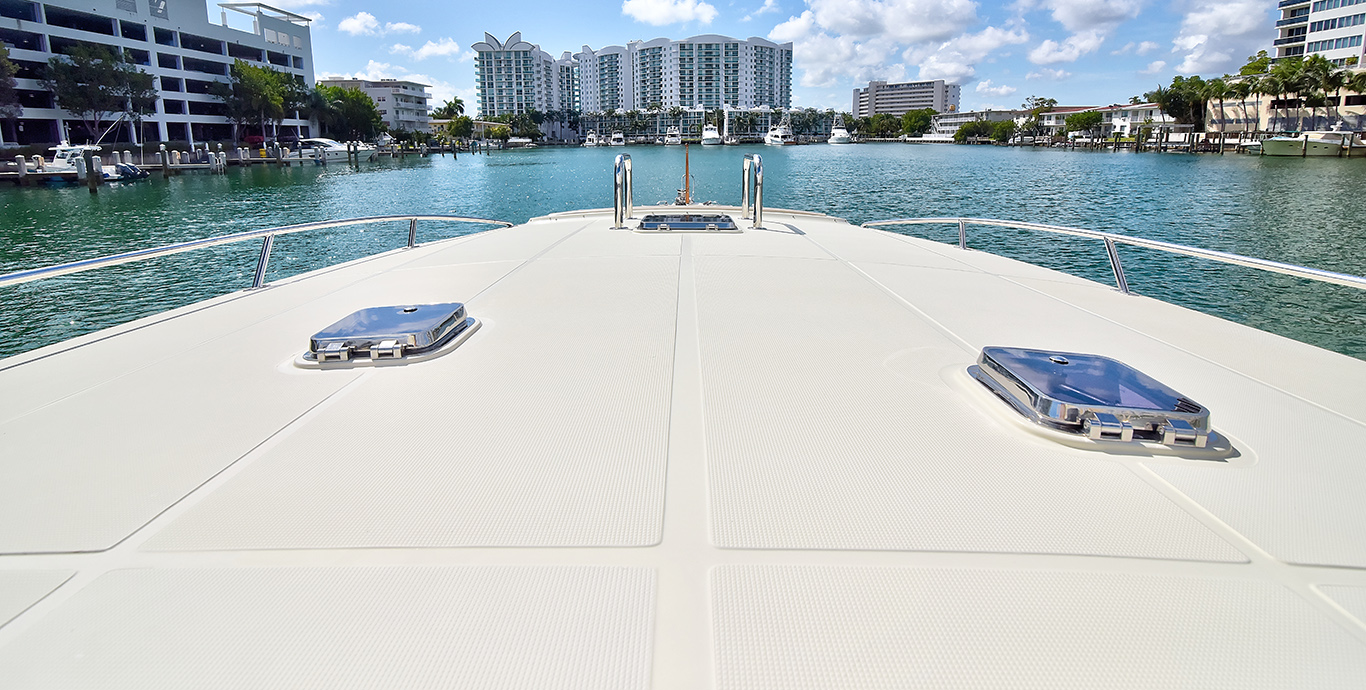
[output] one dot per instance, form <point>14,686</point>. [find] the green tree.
<point>461,127</point>
<point>499,132</point>
<point>93,83</point>
<point>1083,122</point>
<point>1184,100</point>
<point>1256,64</point>
<point>253,95</point>
<point>450,109</point>
<point>917,122</point>
<point>1035,106</point>
<point>1003,131</point>
<point>357,118</point>
<point>973,130</point>
<point>9,98</point>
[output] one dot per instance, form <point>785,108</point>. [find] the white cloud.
<point>468,55</point>
<point>362,23</point>
<point>1216,35</point>
<point>986,88</point>
<point>1136,48</point>
<point>1085,15</point>
<point>443,46</point>
<point>365,24</point>
<point>1154,67</point>
<point>769,6</point>
<point>1069,50</point>
<point>956,59</point>
<point>661,12</point>
<point>1049,74</point>
<point>836,42</point>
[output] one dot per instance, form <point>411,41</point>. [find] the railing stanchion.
<point>744,189</point>
<point>1115,266</point>
<point>758,199</point>
<point>412,233</point>
<point>263,261</point>
<point>621,191</point>
<point>962,234</point>
<point>630,190</point>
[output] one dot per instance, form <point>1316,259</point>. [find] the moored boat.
<point>838,134</point>
<point>781,133</point>
<point>618,139</point>
<point>1307,144</point>
<point>710,135</point>
<point>673,137</point>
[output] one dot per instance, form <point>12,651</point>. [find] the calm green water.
<point>1300,211</point>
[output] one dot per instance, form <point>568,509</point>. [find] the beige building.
<point>897,98</point>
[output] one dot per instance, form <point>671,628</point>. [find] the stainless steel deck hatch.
<point>688,222</point>
<point>1101,398</point>
<point>389,332</point>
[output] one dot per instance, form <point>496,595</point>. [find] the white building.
<point>946,124</point>
<point>173,40</point>
<point>1331,28</point>
<point>515,76</point>
<point>897,98</point>
<point>702,72</point>
<point>1125,120</point>
<point>402,104</point>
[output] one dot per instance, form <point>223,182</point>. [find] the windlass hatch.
<point>389,332</point>
<point>688,222</point>
<point>1098,397</point>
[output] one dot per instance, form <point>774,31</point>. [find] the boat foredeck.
<point>676,461</point>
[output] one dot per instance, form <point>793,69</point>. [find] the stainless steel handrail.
<point>1112,239</point>
<point>268,240</point>
<point>623,195</point>
<point>758,182</point>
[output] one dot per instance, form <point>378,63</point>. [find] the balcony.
<point>1287,41</point>
<point>1302,19</point>
<point>1292,3</point>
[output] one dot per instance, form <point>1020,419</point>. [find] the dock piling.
<point>94,173</point>
<point>22,166</point>
<point>165,162</point>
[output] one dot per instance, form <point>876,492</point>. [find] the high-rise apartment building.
<point>706,71</point>
<point>401,104</point>
<point>514,76</point>
<point>1331,28</point>
<point>173,40</point>
<point>897,98</point>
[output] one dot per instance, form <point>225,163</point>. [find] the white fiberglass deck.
<point>674,461</point>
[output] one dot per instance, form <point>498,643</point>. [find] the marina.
<point>1283,209</point>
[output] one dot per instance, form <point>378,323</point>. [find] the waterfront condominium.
<point>514,76</point>
<point>175,41</point>
<point>897,98</point>
<point>1331,28</point>
<point>401,104</point>
<point>706,71</point>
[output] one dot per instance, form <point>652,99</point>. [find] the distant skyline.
<point>1081,52</point>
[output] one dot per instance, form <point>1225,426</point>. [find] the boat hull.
<point>1300,148</point>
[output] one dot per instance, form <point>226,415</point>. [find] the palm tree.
<point>1242,89</point>
<point>450,109</point>
<point>1218,90</point>
<point>1271,85</point>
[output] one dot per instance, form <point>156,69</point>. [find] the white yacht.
<point>1323,143</point>
<point>710,135</point>
<point>732,447</point>
<point>780,134</point>
<point>325,149</point>
<point>673,137</point>
<point>592,139</point>
<point>618,139</point>
<point>838,134</point>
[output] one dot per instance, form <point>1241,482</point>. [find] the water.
<point>1302,211</point>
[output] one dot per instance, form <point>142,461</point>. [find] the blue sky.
<point>1081,52</point>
